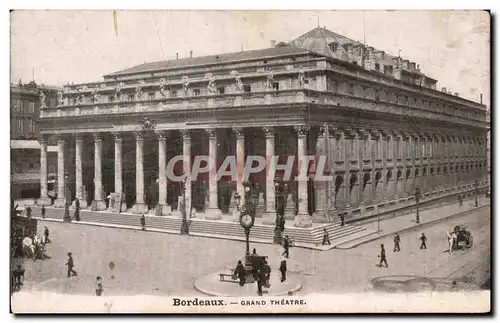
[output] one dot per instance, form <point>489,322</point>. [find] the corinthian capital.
<point>185,133</point>
<point>161,134</point>
<point>139,135</point>
<point>301,130</point>
<point>212,133</point>
<point>269,131</point>
<point>239,132</point>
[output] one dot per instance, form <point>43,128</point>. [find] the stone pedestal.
<point>320,217</point>
<point>60,202</point>
<point>260,209</point>
<point>98,205</point>
<point>303,221</point>
<point>269,218</point>
<point>46,201</point>
<point>290,208</point>
<point>165,209</point>
<point>213,214</point>
<point>236,216</point>
<point>140,208</point>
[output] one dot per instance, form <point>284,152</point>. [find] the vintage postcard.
<point>250,161</point>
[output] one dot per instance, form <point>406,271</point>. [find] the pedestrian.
<point>342,219</point>
<point>98,286</point>
<point>77,209</point>
<point>261,280</point>
<point>397,241</point>
<point>46,235</point>
<point>43,211</point>
<point>267,274</point>
<point>28,212</point>
<point>382,256</point>
<point>67,217</point>
<point>143,222</point>
<point>286,246</point>
<point>18,274</point>
<point>460,200</point>
<point>240,272</point>
<point>453,286</point>
<point>326,238</point>
<point>283,270</point>
<point>449,237</point>
<point>254,252</point>
<point>423,240</point>
<point>71,265</point>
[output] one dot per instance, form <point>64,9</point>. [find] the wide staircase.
<point>211,228</point>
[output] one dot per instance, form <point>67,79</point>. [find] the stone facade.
<point>382,135</point>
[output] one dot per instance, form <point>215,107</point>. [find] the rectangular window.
<point>220,90</point>
<point>173,93</point>
<point>377,67</point>
<point>247,88</point>
<point>110,98</point>
<point>196,92</point>
<point>276,86</point>
<point>131,98</point>
<point>151,96</point>
<point>32,107</point>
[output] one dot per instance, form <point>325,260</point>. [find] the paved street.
<point>157,263</point>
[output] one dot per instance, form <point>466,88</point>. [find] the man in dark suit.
<point>382,256</point>
<point>43,211</point>
<point>326,238</point>
<point>397,241</point>
<point>71,265</point>
<point>240,272</point>
<point>286,246</point>
<point>143,222</point>
<point>283,270</point>
<point>423,241</point>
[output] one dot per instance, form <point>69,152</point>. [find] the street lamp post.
<point>184,224</point>
<point>417,200</point>
<point>476,186</point>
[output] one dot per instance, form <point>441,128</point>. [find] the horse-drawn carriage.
<point>464,238</point>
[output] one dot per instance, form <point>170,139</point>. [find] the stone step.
<point>313,235</point>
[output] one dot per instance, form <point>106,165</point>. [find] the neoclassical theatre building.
<point>381,122</point>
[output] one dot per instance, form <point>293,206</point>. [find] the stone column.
<point>303,219</point>
<point>100,203</point>
<point>118,169</point>
<point>79,170</point>
<point>213,212</point>
<point>162,174</point>
<point>333,141</point>
<point>321,186</point>
<point>44,197</point>
<point>60,202</point>
<point>240,162</point>
<point>140,207</point>
<point>270,213</point>
<point>186,151</point>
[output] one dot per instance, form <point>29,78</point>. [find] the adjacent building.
<point>24,135</point>
<point>381,122</point>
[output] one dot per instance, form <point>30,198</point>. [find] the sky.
<point>82,46</point>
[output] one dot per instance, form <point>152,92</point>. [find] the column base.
<point>303,221</point>
<point>60,203</point>
<point>45,201</point>
<point>289,214</point>
<point>165,210</point>
<point>140,208</point>
<point>83,204</point>
<point>269,218</point>
<point>213,214</point>
<point>236,216</point>
<point>321,216</point>
<point>98,205</point>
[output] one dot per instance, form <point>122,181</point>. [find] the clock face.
<point>246,220</point>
